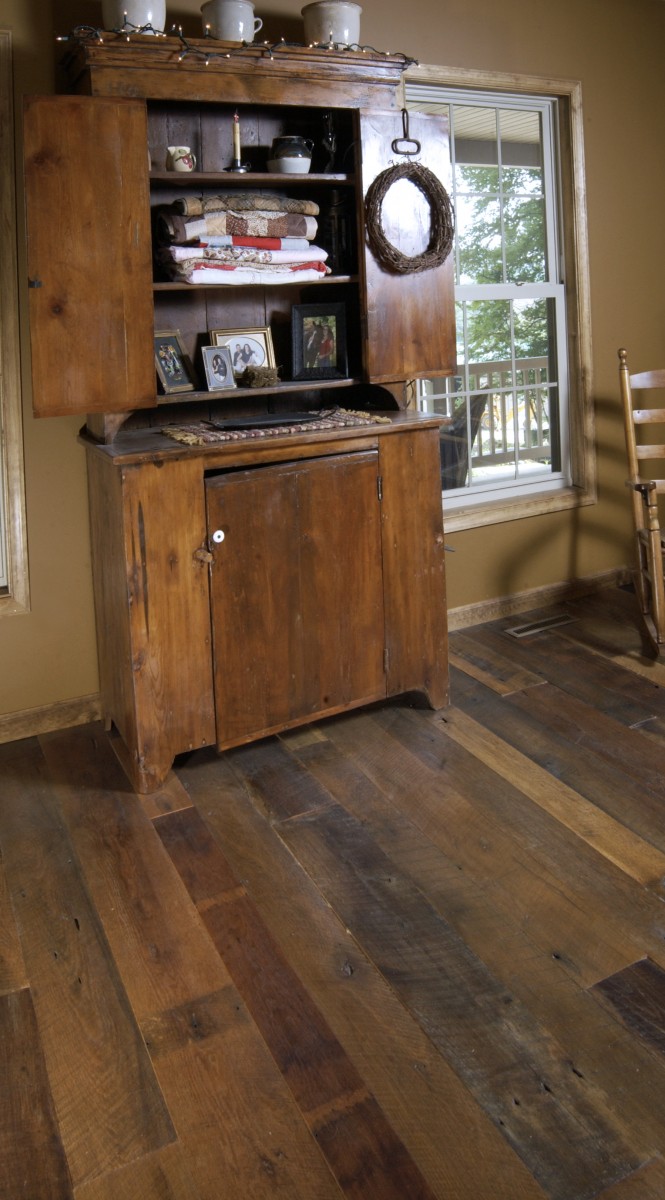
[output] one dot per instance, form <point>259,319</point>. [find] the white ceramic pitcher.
<point>230,20</point>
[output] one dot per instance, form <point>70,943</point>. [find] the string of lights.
<point>86,34</point>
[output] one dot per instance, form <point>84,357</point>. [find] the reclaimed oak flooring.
<point>397,955</point>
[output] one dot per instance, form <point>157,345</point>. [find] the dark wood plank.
<point>13,974</point>
<point>425,832</point>
<point>609,623</point>
<point>490,829</point>
<point>359,1145</point>
<point>86,1024</point>
<point>456,1146</point>
<point>491,665</point>
<point>619,769</point>
<point>635,857</point>
<point>577,671</point>
<point>31,1152</point>
<point>559,1127</point>
<point>234,1114</point>
<point>637,994</point>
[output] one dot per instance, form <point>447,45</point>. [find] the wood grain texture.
<point>108,1105</point>
<point>163,1175</point>
<point>457,1147</point>
<point>106,210</point>
<point>554,1121</point>
<point>284,612</point>
<point>380,954</point>
<point>362,1150</point>
<point>212,1066</point>
<point>31,1152</point>
<point>637,994</point>
<point>13,974</point>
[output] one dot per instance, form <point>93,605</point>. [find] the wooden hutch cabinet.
<point>246,586</point>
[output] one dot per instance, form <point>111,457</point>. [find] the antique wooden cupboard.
<point>245,587</point>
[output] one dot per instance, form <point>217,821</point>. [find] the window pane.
<point>488,333</point>
<point>524,233</point>
<point>479,239</point>
<point>475,135</point>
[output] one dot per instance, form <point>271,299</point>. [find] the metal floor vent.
<point>520,631</point>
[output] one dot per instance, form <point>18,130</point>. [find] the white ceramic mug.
<point>180,158</point>
<point>336,21</point>
<point>138,13</point>
<point>230,20</point>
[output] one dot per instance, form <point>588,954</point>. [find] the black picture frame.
<point>318,337</point>
<point>174,370</point>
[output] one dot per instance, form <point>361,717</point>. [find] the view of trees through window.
<point>506,405</point>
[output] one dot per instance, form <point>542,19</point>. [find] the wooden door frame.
<point>16,597</point>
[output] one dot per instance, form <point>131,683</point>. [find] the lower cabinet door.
<point>296,592</point>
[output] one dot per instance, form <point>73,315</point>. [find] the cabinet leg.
<point>143,778</point>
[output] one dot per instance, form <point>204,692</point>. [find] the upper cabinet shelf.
<point>244,179</point>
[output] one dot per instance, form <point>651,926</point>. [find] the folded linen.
<point>171,228</point>
<point>261,243</point>
<point>257,273</point>
<point>235,254</point>
<point>196,206</point>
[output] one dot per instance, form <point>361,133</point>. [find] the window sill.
<point>473,516</point>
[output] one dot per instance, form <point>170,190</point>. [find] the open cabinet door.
<point>410,318</point>
<point>89,254</point>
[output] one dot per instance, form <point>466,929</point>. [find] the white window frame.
<point>14,583</point>
<point>492,505</point>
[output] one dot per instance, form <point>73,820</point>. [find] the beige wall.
<point>615,48</point>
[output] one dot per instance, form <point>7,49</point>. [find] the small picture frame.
<point>174,370</point>
<point>247,347</point>
<point>318,333</point>
<point>218,368</point>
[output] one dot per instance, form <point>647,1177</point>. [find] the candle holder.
<point>237,167</point>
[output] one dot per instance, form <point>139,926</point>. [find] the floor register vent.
<point>520,631</point>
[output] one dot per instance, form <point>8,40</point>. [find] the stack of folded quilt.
<point>239,237</point>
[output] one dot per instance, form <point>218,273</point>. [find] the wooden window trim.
<point>15,598</point>
<point>583,489</point>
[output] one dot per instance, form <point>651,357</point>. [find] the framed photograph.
<point>318,334</point>
<point>174,370</point>
<point>247,347</point>
<point>218,367</point>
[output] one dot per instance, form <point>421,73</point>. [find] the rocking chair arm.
<point>644,489</point>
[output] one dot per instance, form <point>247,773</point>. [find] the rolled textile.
<point>172,228</point>
<point>196,206</point>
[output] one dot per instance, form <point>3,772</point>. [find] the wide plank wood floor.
<point>398,955</point>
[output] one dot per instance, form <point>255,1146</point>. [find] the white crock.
<point>336,21</point>
<point>136,12</point>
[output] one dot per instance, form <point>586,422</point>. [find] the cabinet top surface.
<point>135,447</point>
<point>111,64</point>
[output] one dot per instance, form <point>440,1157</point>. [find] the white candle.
<point>236,137</point>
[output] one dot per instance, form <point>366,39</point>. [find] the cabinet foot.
<point>143,778</point>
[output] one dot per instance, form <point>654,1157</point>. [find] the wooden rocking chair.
<point>456,440</point>
<point>648,576</point>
